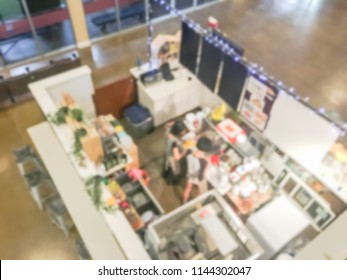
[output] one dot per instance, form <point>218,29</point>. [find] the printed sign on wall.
<point>257,103</point>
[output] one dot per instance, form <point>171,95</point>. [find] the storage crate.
<point>138,120</point>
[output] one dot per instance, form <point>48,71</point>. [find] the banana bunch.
<point>218,113</point>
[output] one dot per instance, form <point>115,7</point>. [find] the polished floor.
<point>301,42</point>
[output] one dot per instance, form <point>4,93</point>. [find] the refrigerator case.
<point>204,228</point>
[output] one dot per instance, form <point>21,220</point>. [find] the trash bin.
<point>138,120</point>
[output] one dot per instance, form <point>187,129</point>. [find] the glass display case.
<point>312,203</point>
<point>302,197</point>
<point>204,228</point>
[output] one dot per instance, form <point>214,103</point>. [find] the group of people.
<point>182,163</point>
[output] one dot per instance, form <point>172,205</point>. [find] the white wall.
<point>276,224</point>
<point>272,161</point>
<point>209,99</point>
<point>77,82</point>
<point>330,244</point>
<point>299,132</point>
<point>80,88</point>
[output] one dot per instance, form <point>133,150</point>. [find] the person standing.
<point>174,152</point>
<point>197,167</point>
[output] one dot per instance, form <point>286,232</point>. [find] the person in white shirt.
<point>197,167</point>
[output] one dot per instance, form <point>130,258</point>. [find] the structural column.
<point>78,21</point>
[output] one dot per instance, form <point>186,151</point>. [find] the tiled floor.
<point>303,43</point>
<point>25,231</point>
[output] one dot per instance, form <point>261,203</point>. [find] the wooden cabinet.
<point>113,98</point>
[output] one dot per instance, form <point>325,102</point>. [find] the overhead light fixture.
<point>253,68</point>
<point>263,78</point>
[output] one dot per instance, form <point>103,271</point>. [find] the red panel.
<point>42,20</point>
<point>100,5</point>
<point>56,16</point>
<point>50,18</point>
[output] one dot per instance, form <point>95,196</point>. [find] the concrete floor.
<point>303,43</point>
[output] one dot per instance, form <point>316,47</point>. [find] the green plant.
<point>77,114</point>
<point>60,116</point>
<point>94,190</point>
<point>77,148</point>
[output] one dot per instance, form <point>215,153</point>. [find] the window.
<point>17,40</point>
<point>201,2</point>
<point>101,17</point>
<point>184,4</point>
<point>51,21</point>
<point>29,28</point>
<point>157,9</point>
<point>110,16</point>
<point>132,13</point>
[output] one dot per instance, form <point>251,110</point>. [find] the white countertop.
<point>214,179</point>
<point>276,224</point>
<point>163,89</point>
<point>137,71</point>
<point>54,144</point>
<point>91,225</point>
<point>107,235</point>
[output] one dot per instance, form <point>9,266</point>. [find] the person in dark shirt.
<point>174,152</point>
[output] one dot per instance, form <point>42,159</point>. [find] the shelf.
<point>106,235</point>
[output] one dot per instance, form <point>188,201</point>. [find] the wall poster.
<point>257,103</point>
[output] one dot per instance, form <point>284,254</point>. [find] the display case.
<point>141,198</point>
<point>277,224</point>
<point>314,206</point>
<point>106,231</point>
<point>204,228</point>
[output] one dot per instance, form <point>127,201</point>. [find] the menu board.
<point>189,47</point>
<point>257,103</point>
<point>301,133</point>
<point>232,82</point>
<point>210,61</point>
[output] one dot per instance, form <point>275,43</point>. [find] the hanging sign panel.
<point>257,103</point>
<point>210,60</point>
<point>232,82</point>
<point>189,47</point>
<point>300,132</point>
